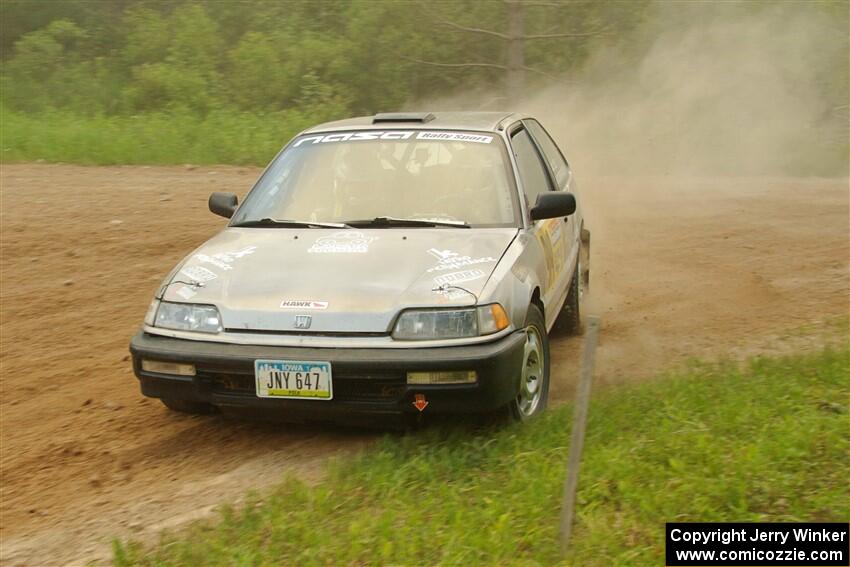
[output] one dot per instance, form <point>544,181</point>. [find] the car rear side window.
<point>550,150</point>
<point>532,172</point>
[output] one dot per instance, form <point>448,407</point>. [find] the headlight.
<point>188,317</point>
<point>450,323</point>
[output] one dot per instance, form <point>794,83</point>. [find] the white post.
<point>579,425</point>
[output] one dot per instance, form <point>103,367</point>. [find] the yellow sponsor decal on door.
<point>551,238</point>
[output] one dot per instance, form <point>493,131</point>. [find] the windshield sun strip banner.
<point>389,135</point>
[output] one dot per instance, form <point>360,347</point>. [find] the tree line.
<point>228,81</point>
<point>334,56</point>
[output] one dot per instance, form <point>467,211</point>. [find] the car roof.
<point>469,120</point>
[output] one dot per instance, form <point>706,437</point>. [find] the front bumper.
<point>366,380</point>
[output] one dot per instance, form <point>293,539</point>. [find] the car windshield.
<point>403,174</point>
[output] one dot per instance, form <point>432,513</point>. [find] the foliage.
<point>211,56</point>
<point>317,58</point>
<point>764,443</point>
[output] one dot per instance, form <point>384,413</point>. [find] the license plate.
<point>293,379</point>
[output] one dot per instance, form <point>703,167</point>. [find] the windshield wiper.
<point>286,223</point>
<point>395,221</point>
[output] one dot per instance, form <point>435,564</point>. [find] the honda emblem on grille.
<point>303,321</point>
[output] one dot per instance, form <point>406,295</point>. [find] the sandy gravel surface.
<point>680,268</point>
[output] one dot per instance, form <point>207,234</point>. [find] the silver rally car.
<point>391,264</point>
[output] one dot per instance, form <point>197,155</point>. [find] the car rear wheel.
<point>569,320</point>
<point>534,379</point>
<point>186,406</point>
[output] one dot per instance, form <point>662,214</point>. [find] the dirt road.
<point>680,268</point>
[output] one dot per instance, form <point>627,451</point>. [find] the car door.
<point>547,240</point>
<point>564,180</point>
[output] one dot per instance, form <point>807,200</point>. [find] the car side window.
<point>550,150</point>
<point>532,172</point>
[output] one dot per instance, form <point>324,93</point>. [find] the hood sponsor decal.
<point>186,292</point>
<point>438,135</point>
<point>303,304</point>
<point>450,260</point>
<point>450,293</point>
<point>343,242</point>
<point>198,273</point>
<point>442,255</point>
<point>459,277</point>
<point>224,259</point>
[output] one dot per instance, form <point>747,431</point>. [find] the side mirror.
<point>553,205</point>
<point>223,204</point>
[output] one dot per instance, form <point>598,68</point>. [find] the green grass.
<point>222,136</point>
<point>765,442</point>
<point>161,138</point>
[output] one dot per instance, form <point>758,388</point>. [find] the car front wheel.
<point>534,378</point>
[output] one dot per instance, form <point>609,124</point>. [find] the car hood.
<point>346,280</point>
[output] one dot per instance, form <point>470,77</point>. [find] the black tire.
<point>534,320</point>
<point>186,406</point>
<point>569,320</point>
<point>584,260</point>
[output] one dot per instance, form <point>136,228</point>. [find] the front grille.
<point>305,333</point>
<point>347,386</point>
<point>226,383</point>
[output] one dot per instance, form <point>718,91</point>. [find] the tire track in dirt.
<point>680,268</point>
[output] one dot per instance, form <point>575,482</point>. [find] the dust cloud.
<point>705,89</point>
<point>721,89</point>
<point>705,113</point>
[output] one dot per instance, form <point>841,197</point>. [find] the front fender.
<point>514,280</point>
<point>166,281</point>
